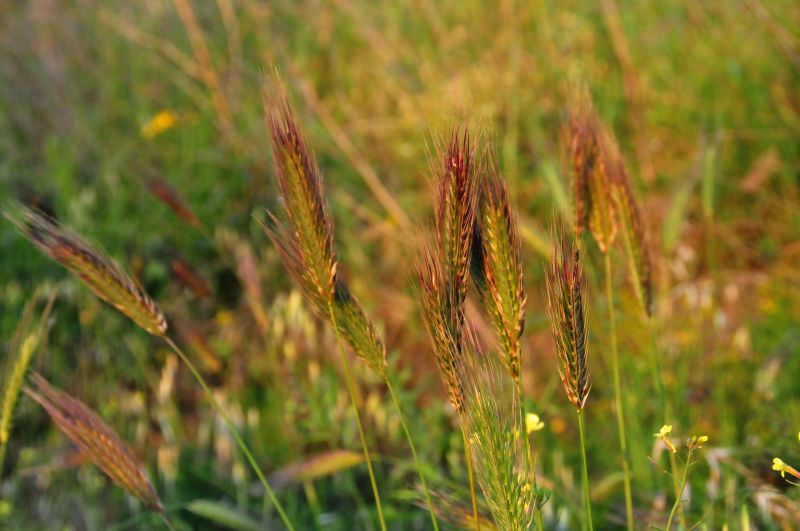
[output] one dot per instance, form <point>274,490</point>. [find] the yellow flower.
<point>662,434</point>
<point>665,429</point>
<point>779,466</point>
<point>533,423</point>
<point>159,123</point>
<point>697,442</point>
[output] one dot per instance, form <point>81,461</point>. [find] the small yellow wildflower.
<point>533,423</point>
<point>662,434</point>
<point>779,466</point>
<point>697,442</point>
<point>159,123</point>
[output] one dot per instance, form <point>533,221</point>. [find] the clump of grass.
<point>28,337</point>
<point>99,272</point>
<point>596,212</point>
<point>304,239</point>
<point>109,282</point>
<point>96,440</point>
<point>565,304</point>
<point>493,424</point>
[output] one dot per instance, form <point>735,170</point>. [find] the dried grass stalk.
<point>96,440</point>
<point>493,424</point>
<point>565,294</point>
<point>99,272</point>
<point>305,239</point>
<point>594,207</point>
<point>497,267</point>
<point>637,248</point>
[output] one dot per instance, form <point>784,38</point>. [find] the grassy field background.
<point>703,96</point>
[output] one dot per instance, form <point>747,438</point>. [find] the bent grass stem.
<point>234,432</point>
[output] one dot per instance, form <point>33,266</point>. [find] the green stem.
<point>623,444</point>
<point>166,521</point>
<point>413,453</point>
<point>676,487</point>
<point>585,474</point>
<point>470,477</point>
<point>234,432</point>
<point>678,501</point>
<point>352,389</point>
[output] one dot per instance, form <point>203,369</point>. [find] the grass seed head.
<point>565,294</point>
<point>637,248</point>
<point>95,439</point>
<point>305,238</point>
<point>493,425</point>
<point>499,268</point>
<point>99,272</point>
<point>594,207</point>
<point>357,329</point>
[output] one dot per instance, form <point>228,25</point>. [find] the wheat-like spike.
<point>492,421</point>
<point>99,272</point>
<point>594,207</point>
<point>309,228</point>
<point>565,294</point>
<point>95,439</point>
<point>634,236</point>
<point>29,335</point>
<point>437,312</point>
<point>455,211</point>
<point>358,330</point>
<point>499,280</point>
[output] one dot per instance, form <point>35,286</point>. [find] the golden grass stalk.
<point>99,272</point>
<point>305,243</point>
<point>96,440</point>
<point>637,249</point>
<point>444,268</point>
<point>493,425</point>
<point>565,296</point>
<point>497,268</point>
<point>594,206</point>
<point>28,337</point>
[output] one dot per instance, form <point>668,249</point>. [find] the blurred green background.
<point>103,101</point>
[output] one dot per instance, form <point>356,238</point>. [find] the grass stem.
<point>234,432</point>
<point>352,389</point>
<point>413,453</point>
<point>623,444</point>
<point>585,474</point>
<point>471,478</point>
<point>678,501</point>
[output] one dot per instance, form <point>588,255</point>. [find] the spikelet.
<point>95,439</point>
<point>305,239</point>
<point>99,272</point>
<point>437,312</point>
<point>492,422</point>
<point>165,193</point>
<point>594,207</point>
<point>28,337</point>
<point>634,236</point>
<point>565,294</point>
<point>497,267</point>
